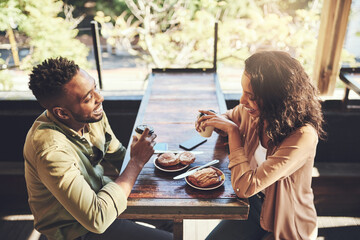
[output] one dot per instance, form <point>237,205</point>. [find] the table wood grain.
<point>170,105</point>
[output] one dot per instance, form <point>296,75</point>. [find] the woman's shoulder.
<point>308,129</point>
<point>304,137</point>
<point>305,134</point>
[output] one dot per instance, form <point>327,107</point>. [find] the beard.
<point>82,119</point>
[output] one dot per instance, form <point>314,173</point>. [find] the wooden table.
<point>170,105</point>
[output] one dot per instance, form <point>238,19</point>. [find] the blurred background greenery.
<point>161,33</point>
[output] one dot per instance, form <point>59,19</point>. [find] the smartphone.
<point>193,142</point>
<point>161,146</point>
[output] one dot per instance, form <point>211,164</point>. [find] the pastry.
<point>168,159</point>
<point>186,158</point>
<point>205,177</point>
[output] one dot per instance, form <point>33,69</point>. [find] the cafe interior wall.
<point>17,116</point>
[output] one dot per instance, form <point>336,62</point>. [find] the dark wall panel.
<point>16,118</point>
<point>343,132</point>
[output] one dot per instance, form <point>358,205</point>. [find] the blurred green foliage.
<point>109,7</point>
<point>47,34</point>
<point>5,83</point>
<point>168,33</point>
<point>180,33</point>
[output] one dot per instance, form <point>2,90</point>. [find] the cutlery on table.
<point>196,169</point>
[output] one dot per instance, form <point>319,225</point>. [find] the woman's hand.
<point>224,125</point>
<point>221,124</point>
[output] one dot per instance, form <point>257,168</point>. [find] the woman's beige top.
<point>288,209</point>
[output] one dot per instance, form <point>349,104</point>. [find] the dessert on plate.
<point>205,177</point>
<point>168,159</point>
<point>186,158</point>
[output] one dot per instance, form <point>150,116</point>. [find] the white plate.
<point>175,168</point>
<point>211,187</point>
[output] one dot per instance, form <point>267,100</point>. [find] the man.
<point>69,195</point>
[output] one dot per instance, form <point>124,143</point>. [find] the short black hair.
<point>48,78</point>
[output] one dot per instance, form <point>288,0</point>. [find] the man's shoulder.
<point>45,132</point>
<point>43,136</point>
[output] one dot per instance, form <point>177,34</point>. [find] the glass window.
<point>173,34</point>
<point>352,37</point>
<point>351,52</point>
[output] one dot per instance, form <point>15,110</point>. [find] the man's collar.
<point>64,127</point>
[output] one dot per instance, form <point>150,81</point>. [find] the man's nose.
<point>99,97</point>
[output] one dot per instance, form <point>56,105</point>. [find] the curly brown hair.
<point>284,93</point>
<point>48,78</point>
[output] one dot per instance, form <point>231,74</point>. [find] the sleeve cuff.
<point>237,157</point>
<point>117,196</point>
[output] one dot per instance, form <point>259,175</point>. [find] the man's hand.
<point>141,151</point>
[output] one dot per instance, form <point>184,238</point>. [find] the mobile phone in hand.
<point>193,142</point>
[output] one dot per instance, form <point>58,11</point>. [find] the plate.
<point>175,168</point>
<point>211,187</point>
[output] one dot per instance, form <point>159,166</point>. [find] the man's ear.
<point>60,113</point>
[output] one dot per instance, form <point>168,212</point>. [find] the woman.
<point>273,134</point>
